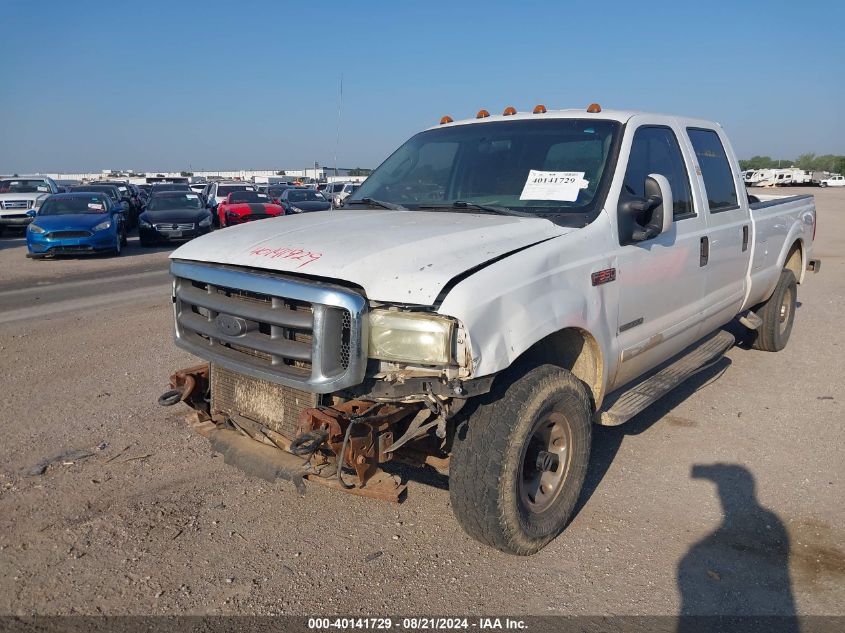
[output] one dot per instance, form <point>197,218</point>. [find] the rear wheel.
<point>778,314</point>
<point>519,463</point>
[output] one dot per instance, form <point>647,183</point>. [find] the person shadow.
<point>738,575</point>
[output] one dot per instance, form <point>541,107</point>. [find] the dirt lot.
<point>153,522</point>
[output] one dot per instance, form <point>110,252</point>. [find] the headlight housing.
<point>35,228</point>
<point>39,202</point>
<point>205,223</point>
<point>144,223</point>
<point>411,337</point>
<point>102,226</point>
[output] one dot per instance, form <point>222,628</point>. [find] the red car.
<point>245,206</point>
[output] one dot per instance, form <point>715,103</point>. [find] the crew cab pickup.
<point>496,287</point>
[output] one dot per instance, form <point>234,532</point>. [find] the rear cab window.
<point>716,172</point>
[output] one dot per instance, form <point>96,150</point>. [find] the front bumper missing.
<point>264,453</point>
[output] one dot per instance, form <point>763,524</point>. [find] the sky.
<point>183,85</point>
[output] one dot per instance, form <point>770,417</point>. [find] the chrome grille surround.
<point>17,204</point>
<point>307,335</point>
<point>174,226</point>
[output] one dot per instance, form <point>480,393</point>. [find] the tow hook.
<point>190,386</point>
<point>170,397</point>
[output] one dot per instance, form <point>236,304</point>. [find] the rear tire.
<point>519,463</point>
<point>778,314</point>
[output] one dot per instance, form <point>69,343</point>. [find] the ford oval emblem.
<point>229,325</point>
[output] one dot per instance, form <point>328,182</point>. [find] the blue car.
<point>76,223</point>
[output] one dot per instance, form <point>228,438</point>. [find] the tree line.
<point>808,161</point>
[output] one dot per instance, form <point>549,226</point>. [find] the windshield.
<point>277,191</point>
<point>174,186</point>
<point>540,166</point>
<point>225,190</point>
<point>249,196</point>
<point>174,200</point>
<point>110,190</point>
<point>73,205</point>
<point>304,195</point>
<point>19,185</point>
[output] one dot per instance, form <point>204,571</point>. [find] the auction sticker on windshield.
<point>553,185</point>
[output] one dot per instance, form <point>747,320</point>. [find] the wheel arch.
<point>793,258</point>
<point>576,350</point>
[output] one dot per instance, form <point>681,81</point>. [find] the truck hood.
<point>396,256</point>
<point>23,196</point>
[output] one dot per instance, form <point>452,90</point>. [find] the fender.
<point>511,305</point>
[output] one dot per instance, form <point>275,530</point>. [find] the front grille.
<point>257,216</point>
<point>174,226</point>
<point>66,235</point>
<point>70,250</point>
<point>275,406</point>
<point>309,336</point>
<point>16,204</point>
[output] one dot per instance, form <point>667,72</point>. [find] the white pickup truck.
<point>20,194</point>
<point>493,289</point>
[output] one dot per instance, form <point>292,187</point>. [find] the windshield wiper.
<point>490,208</point>
<point>378,203</point>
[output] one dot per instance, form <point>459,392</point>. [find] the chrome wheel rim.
<point>545,463</point>
<point>785,310</point>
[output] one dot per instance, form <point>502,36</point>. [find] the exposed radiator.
<point>275,406</point>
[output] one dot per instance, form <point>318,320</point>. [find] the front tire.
<point>519,462</point>
<point>778,314</point>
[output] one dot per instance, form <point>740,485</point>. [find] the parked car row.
<point>97,217</point>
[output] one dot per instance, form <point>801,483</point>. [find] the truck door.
<point>662,280</point>
<point>728,228</point>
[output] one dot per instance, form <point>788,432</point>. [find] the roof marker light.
<point>539,109</point>
<point>509,111</point>
<point>482,114</point>
<point>594,108</point>
<point>446,119</point>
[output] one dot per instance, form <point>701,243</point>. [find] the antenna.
<point>339,112</point>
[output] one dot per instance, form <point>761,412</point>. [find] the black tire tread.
<point>767,337</point>
<point>476,469</point>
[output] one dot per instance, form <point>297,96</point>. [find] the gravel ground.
<point>153,522</point>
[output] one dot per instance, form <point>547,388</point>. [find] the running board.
<point>622,405</point>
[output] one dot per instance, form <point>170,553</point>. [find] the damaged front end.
<point>326,385</point>
<point>276,432</point>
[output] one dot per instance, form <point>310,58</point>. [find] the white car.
<point>21,194</point>
<point>337,192</point>
<point>493,289</point>
<point>833,181</point>
<point>217,192</point>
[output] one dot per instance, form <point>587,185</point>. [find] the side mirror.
<point>642,219</point>
<point>32,213</point>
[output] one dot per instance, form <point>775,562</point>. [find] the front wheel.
<point>519,462</point>
<point>118,247</point>
<point>778,314</point>
<point>822,184</point>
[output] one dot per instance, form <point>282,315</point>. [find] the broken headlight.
<point>411,337</point>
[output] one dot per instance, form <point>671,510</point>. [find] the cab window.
<point>655,150</point>
<point>715,170</point>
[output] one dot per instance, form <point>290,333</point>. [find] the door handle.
<point>704,252</point>
<point>744,238</point>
